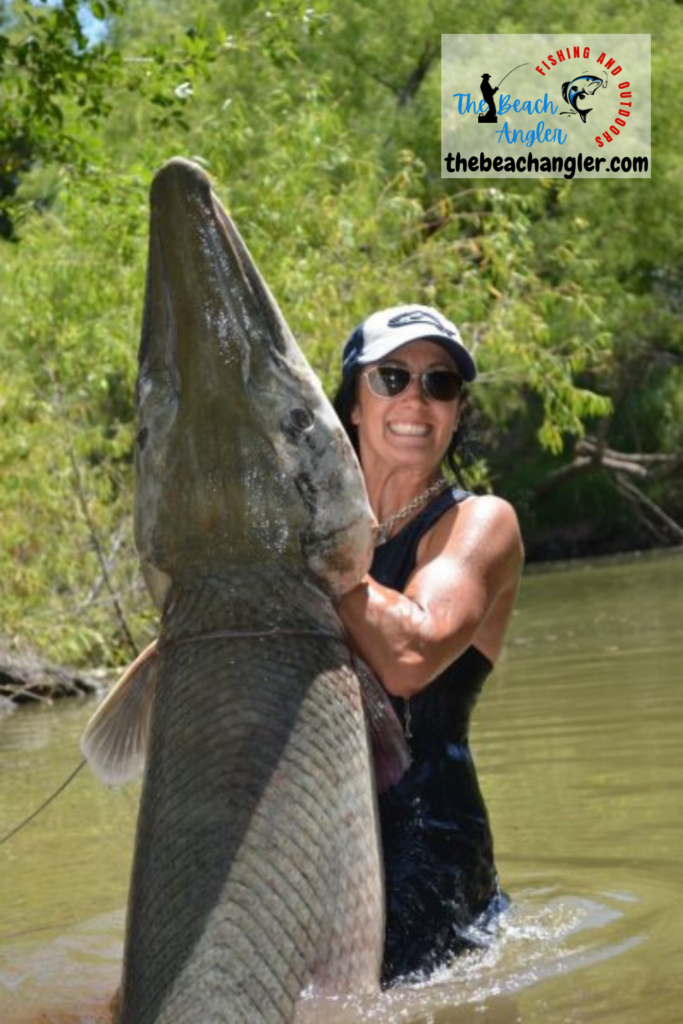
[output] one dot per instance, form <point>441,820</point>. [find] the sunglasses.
<point>387,381</point>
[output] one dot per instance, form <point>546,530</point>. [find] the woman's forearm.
<point>395,636</point>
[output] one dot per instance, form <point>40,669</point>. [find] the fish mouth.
<point>593,87</point>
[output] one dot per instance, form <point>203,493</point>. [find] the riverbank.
<point>26,678</point>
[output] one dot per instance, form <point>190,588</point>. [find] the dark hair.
<point>457,453</point>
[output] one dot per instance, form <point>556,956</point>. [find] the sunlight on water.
<point>532,944</point>
<point>578,743</point>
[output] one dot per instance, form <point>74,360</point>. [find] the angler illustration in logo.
<point>578,89</point>
<point>488,93</point>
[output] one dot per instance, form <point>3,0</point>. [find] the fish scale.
<point>310,919</point>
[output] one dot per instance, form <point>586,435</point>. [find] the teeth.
<point>409,429</point>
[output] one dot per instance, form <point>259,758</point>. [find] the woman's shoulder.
<point>491,507</point>
<point>481,510</point>
<point>475,524</point>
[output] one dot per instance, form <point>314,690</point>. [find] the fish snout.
<point>176,181</point>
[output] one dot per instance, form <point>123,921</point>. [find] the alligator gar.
<point>257,871</point>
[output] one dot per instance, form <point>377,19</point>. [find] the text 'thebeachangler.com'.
<point>568,166</point>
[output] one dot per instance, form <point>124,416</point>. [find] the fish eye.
<point>302,418</point>
<point>296,422</point>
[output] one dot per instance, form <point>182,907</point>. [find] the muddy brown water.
<point>579,743</point>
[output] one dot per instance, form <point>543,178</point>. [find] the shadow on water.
<point>577,741</point>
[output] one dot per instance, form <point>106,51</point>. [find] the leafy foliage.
<point>319,124</point>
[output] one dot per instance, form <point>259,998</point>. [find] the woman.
<point>430,620</point>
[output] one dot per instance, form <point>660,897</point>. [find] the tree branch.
<point>594,454</point>
<point>406,92</point>
<point>94,537</point>
<point>418,74</point>
<point>560,476</point>
<point>588,446</point>
<point>83,502</point>
<point>636,496</point>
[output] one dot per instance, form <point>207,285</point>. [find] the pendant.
<point>407,722</point>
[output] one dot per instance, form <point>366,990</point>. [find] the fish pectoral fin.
<point>390,753</point>
<point>115,739</point>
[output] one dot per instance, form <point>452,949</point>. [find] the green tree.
<point>319,125</point>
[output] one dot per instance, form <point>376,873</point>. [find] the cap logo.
<point>420,316</point>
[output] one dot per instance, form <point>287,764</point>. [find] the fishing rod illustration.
<point>510,72</point>
<point>488,93</point>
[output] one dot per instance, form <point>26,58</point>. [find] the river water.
<point>579,747</point>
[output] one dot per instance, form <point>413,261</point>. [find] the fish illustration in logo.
<point>578,89</point>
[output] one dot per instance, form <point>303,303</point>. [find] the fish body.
<point>578,89</point>
<point>257,873</point>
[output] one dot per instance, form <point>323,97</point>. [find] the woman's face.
<point>411,429</point>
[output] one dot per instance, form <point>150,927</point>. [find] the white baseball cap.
<point>389,329</point>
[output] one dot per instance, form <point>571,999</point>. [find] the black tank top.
<point>441,713</point>
<point>438,849</point>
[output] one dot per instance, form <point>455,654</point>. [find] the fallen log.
<point>26,678</point>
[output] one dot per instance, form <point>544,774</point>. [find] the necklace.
<point>385,528</point>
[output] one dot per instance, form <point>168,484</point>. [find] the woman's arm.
<point>469,565</point>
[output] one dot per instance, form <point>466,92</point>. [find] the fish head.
<point>239,454</point>
<point>589,84</point>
